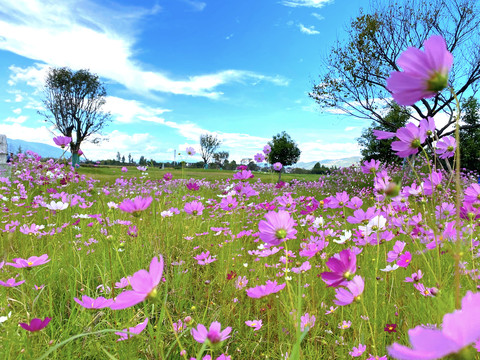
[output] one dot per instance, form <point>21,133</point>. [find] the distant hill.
<point>43,150</point>
<point>345,162</point>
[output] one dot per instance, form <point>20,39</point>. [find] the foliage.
<point>355,72</point>
<point>208,144</point>
<point>381,149</point>
<point>73,102</point>
<point>284,150</point>
<point>470,135</point>
<point>220,157</point>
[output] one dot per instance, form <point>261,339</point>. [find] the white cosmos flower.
<point>347,234</point>
<point>318,222</point>
<point>375,224</point>
<point>390,268</point>
<point>59,205</point>
<point>112,205</point>
<point>5,318</point>
<point>166,213</point>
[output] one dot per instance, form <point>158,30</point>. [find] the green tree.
<point>142,161</point>
<point>208,144</point>
<point>381,149</point>
<point>284,151</point>
<point>470,135</point>
<point>354,74</point>
<point>73,103</point>
<point>220,158</point>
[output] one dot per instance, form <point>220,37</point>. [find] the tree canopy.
<point>470,135</point>
<point>284,150</point>
<point>74,102</point>
<point>209,143</point>
<point>355,71</point>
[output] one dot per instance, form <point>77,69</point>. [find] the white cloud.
<point>81,34</point>
<point>18,120</point>
<point>307,3</point>
<point>318,16</point>
<point>350,128</point>
<point>17,111</point>
<point>196,5</point>
<point>309,31</point>
<point>320,150</point>
<point>129,111</point>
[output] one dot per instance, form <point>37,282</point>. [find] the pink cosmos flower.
<point>425,72</point>
<point>343,266</point>
<point>144,284</point>
<point>11,282</point>
<point>278,227</point>
<point>267,149</point>
<point>446,147</point>
<point>243,175</point>
<point>192,185</point>
<point>36,324</point>
<point>167,177</point>
<point>124,169</point>
<point>142,168</point>
<point>404,259</point>
<point>214,334</point>
<point>415,277</point>
<point>459,330</point>
<point>358,351</point>
<point>241,282</point>
<point>255,324</point>
<point>383,135</point>
<point>277,166</point>
<point>30,262</point>
<point>472,193</point>
<point>259,157</point>
<point>194,207</point>
<point>204,258</point>
<point>62,141</point>
<point>91,303</point>
<point>135,330</point>
<point>271,287</point>
<point>411,137</point>
<point>397,249</point>
<point>370,166</point>
<point>135,205</point>
<point>228,203</point>
<point>307,321</point>
<point>190,151</point>
<point>355,289</point>
<point>428,125</point>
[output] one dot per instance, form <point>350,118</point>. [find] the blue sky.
<point>175,69</point>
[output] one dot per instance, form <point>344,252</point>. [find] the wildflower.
<point>90,303</point>
<point>303,268</point>
<point>190,151</point>
<point>355,289</point>
<point>404,259</point>
<point>446,147</point>
<point>390,328</point>
<point>423,290</point>
<point>458,331</point>
<point>331,310</point>
<point>30,262</point>
<point>345,325</point>
<point>167,176</point>
<point>267,149</point>
<point>271,287</point>
<point>214,334</point>
<point>259,157</point>
<point>358,351</point>
<point>56,206</point>
<point>36,324</point>
<point>390,268</point>
<point>410,138</point>
<point>241,282</point>
<point>277,166</point>
<point>347,234</point>
<point>192,185</point>
<point>307,321</point>
<point>370,166</point>
<point>5,318</point>
<point>343,266</point>
<point>133,330</point>
<point>194,207</point>
<point>143,284</point>
<point>11,282</point>
<point>124,169</point>
<point>277,227</point>
<point>255,324</point>
<point>415,277</point>
<point>243,175</point>
<point>135,205</point>
<point>228,203</point>
<point>425,72</point>
<point>62,141</point>
<point>204,258</point>
<point>142,168</point>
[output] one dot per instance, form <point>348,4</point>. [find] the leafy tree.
<point>208,144</point>
<point>130,158</point>
<point>470,135</point>
<point>284,151</point>
<point>19,150</point>
<point>220,157</point>
<point>73,102</point>
<point>119,156</point>
<point>355,71</point>
<point>381,149</point>
<point>123,159</point>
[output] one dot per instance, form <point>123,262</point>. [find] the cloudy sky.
<point>175,69</point>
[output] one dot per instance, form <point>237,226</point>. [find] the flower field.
<point>144,268</point>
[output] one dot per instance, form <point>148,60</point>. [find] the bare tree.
<point>208,143</point>
<point>74,103</point>
<point>354,79</point>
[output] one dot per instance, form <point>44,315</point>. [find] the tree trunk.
<point>279,176</point>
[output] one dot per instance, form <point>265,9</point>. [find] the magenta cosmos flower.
<point>459,329</point>
<point>259,157</point>
<point>243,175</point>
<point>131,331</point>
<point>425,72</point>
<point>135,205</point>
<point>267,149</point>
<point>11,282</point>
<point>271,287</point>
<point>36,324</point>
<point>446,147</point>
<point>410,138</point>
<point>213,334</point>
<point>277,166</point>
<point>355,289</point>
<point>91,303</point>
<point>255,324</point>
<point>62,141</point>
<point>342,265</point>
<point>30,262</point>
<point>277,227</point>
<point>194,207</point>
<point>144,284</point>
